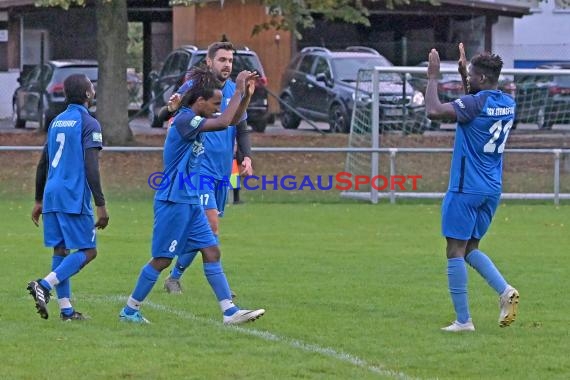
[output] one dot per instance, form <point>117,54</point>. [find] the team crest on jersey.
<point>460,103</point>
<point>197,148</point>
<point>97,137</point>
<point>196,120</point>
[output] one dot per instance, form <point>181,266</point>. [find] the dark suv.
<point>46,84</point>
<point>320,84</point>
<point>181,60</point>
<point>558,105</point>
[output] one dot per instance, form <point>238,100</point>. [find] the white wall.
<point>8,83</point>
<point>503,37</point>
<point>543,35</point>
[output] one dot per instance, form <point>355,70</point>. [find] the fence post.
<point>392,174</point>
<point>557,153</point>
<point>375,134</point>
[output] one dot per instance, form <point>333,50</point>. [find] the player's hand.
<point>246,168</point>
<point>250,86</point>
<point>433,65</point>
<point>462,62</point>
<point>244,78</point>
<point>102,217</point>
<point>36,212</point>
<point>174,102</point>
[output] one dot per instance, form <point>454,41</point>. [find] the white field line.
<point>294,343</point>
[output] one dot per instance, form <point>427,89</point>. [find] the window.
<point>322,67</point>
<point>307,63</point>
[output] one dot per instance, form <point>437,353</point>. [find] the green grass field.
<point>352,291</point>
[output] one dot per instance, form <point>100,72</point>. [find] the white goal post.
<point>542,96</point>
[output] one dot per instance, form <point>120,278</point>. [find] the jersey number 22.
<point>495,131</point>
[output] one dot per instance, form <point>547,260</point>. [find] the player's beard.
<point>223,76</point>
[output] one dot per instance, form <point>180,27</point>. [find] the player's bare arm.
<point>249,90</point>
<point>102,217</point>
<point>462,67</point>
<point>225,119</point>
<point>435,109</point>
<point>36,212</point>
<point>246,167</point>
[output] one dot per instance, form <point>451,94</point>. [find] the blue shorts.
<point>466,216</point>
<point>215,197</point>
<point>179,228</point>
<point>71,231</point>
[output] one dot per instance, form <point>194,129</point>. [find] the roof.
<point>514,8</point>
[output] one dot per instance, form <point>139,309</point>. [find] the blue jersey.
<point>183,153</point>
<point>69,135</point>
<point>484,121</point>
<point>219,145</point>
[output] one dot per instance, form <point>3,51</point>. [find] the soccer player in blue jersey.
<point>180,224</point>
<point>66,178</point>
<point>484,119</point>
<point>218,157</point>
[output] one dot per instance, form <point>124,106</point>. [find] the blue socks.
<point>69,266</point>
<point>63,289</point>
<point>219,283</point>
<point>182,263</point>
<point>483,264</point>
<point>146,281</point>
<point>457,283</point>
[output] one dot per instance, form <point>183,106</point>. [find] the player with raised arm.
<point>218,156</point>
<point>66,177</point>
<point>484,119</point>
<point>180,224</point>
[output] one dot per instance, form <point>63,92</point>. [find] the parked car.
<point>558,104</point>
<point>320,84</point>
<point>181,60</point>
<point>450,85</point>
<point>44,88</point>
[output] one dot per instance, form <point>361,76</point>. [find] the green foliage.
<point>135,46</point>
<point>65,4</point>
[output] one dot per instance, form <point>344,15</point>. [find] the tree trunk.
<point>112,96</point>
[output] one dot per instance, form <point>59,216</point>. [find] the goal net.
<point>397,106</point>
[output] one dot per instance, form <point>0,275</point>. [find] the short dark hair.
<point>75,88</point>
<point>489,65</point>
<point>213,48</point>
<point>204,84</point>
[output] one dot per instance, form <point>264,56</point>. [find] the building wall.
<point>542,36</point>
<point>503,37</point>
<point>202,25</point>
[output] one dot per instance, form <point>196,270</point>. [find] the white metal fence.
<point>374,195</point>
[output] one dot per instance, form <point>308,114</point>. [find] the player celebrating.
<point>180,224</point>
<point>218,157</point>
<point>71,161</point>
<point>484,118</point>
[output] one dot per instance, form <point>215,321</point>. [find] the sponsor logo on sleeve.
<point>196,120</point>
<point>97,137</point>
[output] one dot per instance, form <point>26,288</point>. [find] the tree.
<point>112,96</point>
